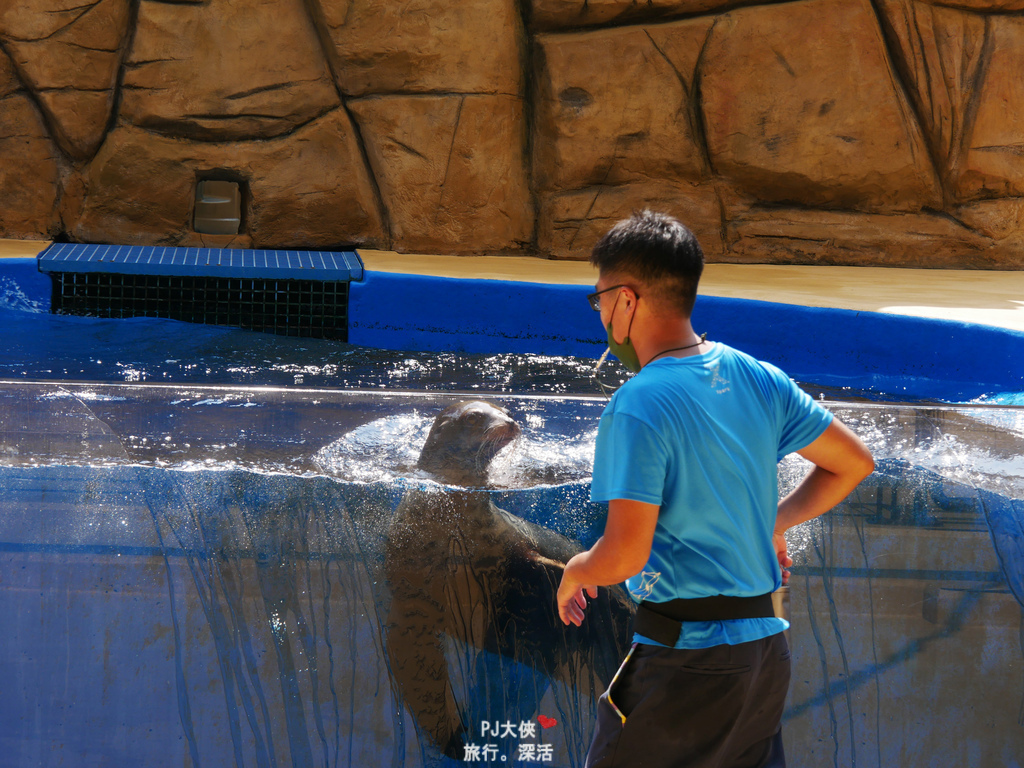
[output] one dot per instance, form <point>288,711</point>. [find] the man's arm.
<point>621,552</point>
<point>841,461</point>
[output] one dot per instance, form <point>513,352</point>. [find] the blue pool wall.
<point>902,356</point>
<point>898,355</point>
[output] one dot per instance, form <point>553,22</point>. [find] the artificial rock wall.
<point>815,131</point>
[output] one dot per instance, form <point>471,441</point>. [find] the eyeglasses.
<point>594,298</point>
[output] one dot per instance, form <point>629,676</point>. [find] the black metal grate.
<point>307,308</point>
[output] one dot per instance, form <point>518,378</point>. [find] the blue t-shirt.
<point>701,437</point>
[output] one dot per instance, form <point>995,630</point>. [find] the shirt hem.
<point>721,637</point>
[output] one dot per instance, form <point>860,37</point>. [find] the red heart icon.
<point>546,722</point>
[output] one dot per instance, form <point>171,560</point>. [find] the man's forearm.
<point>623,549</point>
<point>599,566</point>
<point>840,461</point>
<point>816,494</point>
<point>621,552</point>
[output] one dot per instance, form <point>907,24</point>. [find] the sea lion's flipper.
<point>416,654</point>
<point>415,630</point>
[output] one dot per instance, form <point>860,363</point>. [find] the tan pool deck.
<point>974,296</point>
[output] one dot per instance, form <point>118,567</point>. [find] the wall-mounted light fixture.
<point>218,209</point>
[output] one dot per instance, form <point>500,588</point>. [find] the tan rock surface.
<point>801,106</point>
<point>799,236</point>
<point>230,70</point>
<point>451,170</point>
<point>37,19</point>
<point>69,56</point>
<point>556,14</point>
<point>816,131</point>
<point>79,119</point>
<point>940,59</point>
<point>308,189</point>
<point>996,219</point>
<point>29,166</point>
<point>595,126</point>
<point>419,46</point>
<point>994,162</point>
<point>571,222</point>
<point>993,6</point>
<point>9,82</point>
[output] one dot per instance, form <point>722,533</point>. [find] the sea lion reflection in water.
<point>460,567</point>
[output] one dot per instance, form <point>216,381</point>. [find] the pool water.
<point>197,537</point>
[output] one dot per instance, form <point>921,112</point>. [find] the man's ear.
<point>630,296</point>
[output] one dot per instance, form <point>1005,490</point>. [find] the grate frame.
<point>287,292</point>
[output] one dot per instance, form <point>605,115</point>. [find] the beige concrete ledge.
<point>970,296</point>
<point>21,249</point>
<point>516,268</point>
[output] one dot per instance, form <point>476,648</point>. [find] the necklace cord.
<point>703,337</point>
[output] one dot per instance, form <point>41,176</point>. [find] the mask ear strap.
<point>611,321</point>
<point>605,389</point>
<point>630,326</point>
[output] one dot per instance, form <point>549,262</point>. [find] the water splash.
<point>14,298</point>
<point>385,449</point>
<point>388,448</point>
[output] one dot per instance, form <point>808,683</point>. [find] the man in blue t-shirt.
<point>686,458</point>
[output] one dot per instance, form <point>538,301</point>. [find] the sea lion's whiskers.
<point>493,436</point>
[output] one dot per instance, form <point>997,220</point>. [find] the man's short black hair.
<point>659,251</point>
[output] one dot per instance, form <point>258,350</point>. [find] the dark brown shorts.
<point>718,707</point>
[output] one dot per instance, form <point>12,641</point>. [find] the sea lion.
<point>464,439</point>
<point>460,567</point>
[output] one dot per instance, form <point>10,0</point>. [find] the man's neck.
<point>667,337</point>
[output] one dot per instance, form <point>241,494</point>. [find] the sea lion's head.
<point>463,440</point>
